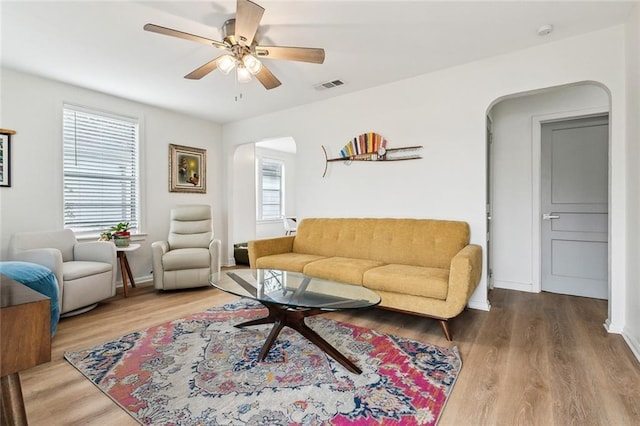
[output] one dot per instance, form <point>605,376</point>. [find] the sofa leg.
<point>444,325</point>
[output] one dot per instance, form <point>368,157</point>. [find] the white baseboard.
<point>612,328</point>
<point>482,306</point>
<point>512,285</point>
<point>138,280</point>
<point>634,345</point>
<point>144,279</point>
<point>632,342</point>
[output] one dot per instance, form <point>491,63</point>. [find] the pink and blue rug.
<point>202,370</point>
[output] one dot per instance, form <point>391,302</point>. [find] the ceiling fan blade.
<point>180,34</point>
<point>200,72</point>
<point>248,16</point>
<point>266,77</point>
<point>302,54</point>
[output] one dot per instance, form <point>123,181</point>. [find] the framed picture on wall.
<point>187,169</point>
<point>5,157</point>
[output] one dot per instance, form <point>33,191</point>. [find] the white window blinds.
<point>271,205</point>
<point>100,170</point>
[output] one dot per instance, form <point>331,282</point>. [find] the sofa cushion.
<point>186,258</point>
<point>293,262</point>
<point>420,242</point>
<point>190,227</point>
<point>343,269</point>
<point>410,280</point>
<point>79,269</point>
<point>62,239</point>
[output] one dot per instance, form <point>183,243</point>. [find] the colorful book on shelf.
<point>366,143</point>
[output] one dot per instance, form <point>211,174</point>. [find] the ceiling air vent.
<point>329,84</point>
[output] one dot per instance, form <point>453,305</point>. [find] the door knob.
<point>548,216</point>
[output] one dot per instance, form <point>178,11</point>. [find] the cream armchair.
<point>190,253</point>
<point>86,272</point>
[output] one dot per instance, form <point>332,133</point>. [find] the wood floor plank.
<point>575,399</point>
<point>610,363</point>
<point>478,386</point>
<point>533,359</point>
<point>529,401</point>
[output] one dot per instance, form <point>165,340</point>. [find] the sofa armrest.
<point>464,276</point>
<point>269,246</point>
<point>214,252</point>
<point>95,251</point>
<point>158,249</point>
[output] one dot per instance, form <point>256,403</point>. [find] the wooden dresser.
<point>25,341</point>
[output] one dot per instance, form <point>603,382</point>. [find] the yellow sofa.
<point>420,266</point>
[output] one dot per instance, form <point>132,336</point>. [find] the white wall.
<point>631,330</point>
<point>32,106</point>
<point>515,175</point>
<point>444,111</point>
<point>243,212</point>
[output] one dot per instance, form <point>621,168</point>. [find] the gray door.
<point>574,205</point>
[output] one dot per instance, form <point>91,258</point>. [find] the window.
<point>100,170</point>
<point>271,189</point>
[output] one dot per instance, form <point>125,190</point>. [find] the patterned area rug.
<point>202,370</point>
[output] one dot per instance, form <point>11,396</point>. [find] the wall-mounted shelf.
<point>371,147</point>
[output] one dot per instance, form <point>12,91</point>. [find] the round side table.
<point>125,270</point>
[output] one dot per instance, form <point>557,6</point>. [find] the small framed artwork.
<point>187,169</point>
<point>5,157</point>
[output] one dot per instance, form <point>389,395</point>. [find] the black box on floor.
<point>241,253</point>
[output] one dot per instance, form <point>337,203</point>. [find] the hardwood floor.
<point>534,359</point>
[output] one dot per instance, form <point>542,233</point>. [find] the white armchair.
<point>190,254</point>
<point>86,272</point>
<point>290,225</point>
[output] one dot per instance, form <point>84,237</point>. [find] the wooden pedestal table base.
<point>290,297</point>
<point>281,316</point>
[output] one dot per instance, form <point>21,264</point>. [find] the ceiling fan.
<point>243,50</point>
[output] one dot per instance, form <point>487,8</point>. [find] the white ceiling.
<point>102,46</point>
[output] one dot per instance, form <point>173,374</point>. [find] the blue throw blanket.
<point>38,278</point>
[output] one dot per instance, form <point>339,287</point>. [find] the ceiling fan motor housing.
<point>229,31</point>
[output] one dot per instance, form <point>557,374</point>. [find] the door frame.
<point>489,200</point>
<point>536,157</point>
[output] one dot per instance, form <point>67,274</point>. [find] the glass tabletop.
<point>293,289</point>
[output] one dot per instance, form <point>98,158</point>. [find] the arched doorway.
<point>514,177</point>
<point>246,225</point>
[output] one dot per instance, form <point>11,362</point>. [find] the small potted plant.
<point>106,236</point>
<point>121,234</point>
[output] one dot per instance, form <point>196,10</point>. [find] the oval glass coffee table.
<point>290,297</point>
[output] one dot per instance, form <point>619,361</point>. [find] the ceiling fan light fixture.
<point>226,63</point>
<point>252,64</point>
<point>242,74</point>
